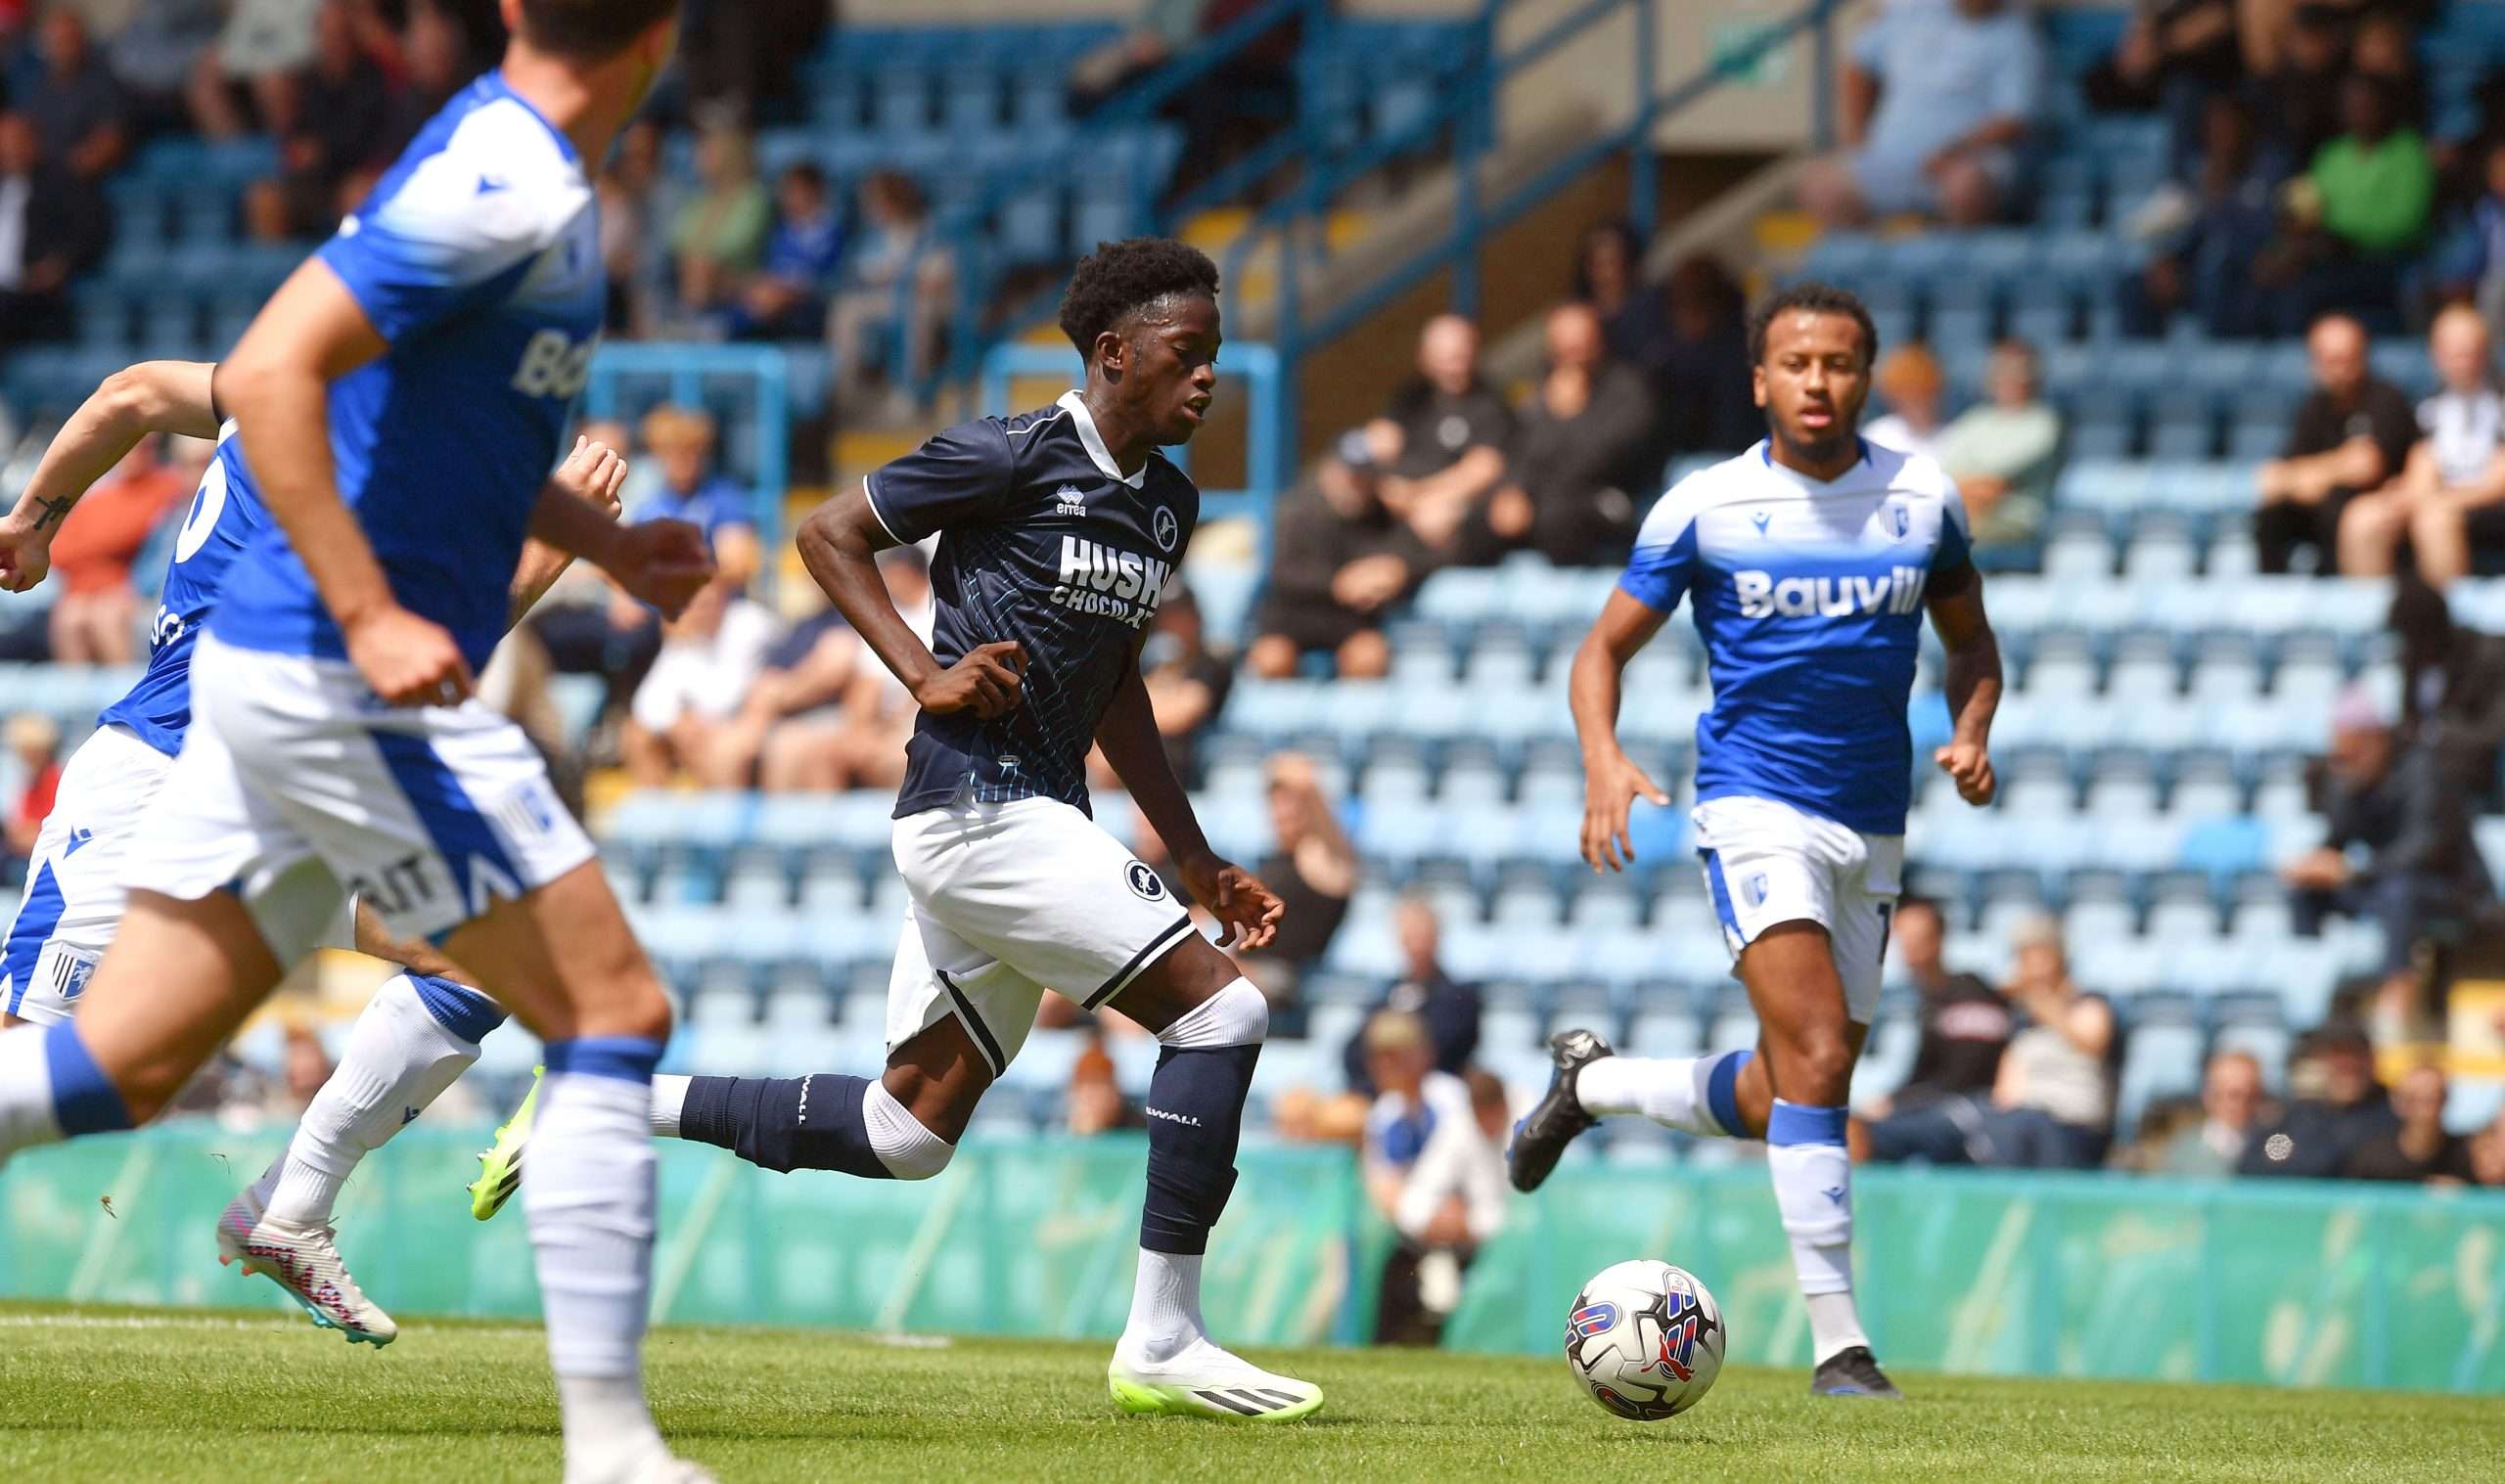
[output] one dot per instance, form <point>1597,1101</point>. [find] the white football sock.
<point>909,1151</point>
<point>1165,1307</point>
<point>1673,1090</point>
<point>669,1096</point>
<point>589,1200</point>
<point>399,1059</point>
<point>1813,1190</point>
<point>25,1091</point>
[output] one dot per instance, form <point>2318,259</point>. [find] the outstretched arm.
<point>840,543</point>
<point>1956,604</point>
<point>1612,782</point>
<point>152,396</point>
<point>1127,732</point>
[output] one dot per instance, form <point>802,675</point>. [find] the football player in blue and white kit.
<point>421,1028</point>
<point>399,402</point>
<point>1809,561</point>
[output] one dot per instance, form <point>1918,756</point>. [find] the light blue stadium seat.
<point>2162,1055</point>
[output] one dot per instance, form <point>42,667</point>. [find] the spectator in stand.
<point>2452,684</point>
<point>77,108</point>
<point>2487,1155</point>
<point>2174,55</point>
<point>1314,869</point>
<point>1413,1106</point>
<point>54,225</point>
<point>2052,1102</point>
<point>1187,684</point>
<point>2352,432</point>
<point>2385,48</point>
<point>787,298</point>
<point>342,116</point>
<point>896,286</point>
<point>2232,1105</point>
<point>2361,211</point>
<point>34,745</point>
<point>2296,63</point>
<point>1909,380</point>
<point>264,43</point>
<point>630,189</point>
<point>2415,1147</point>
<point>1447,1009</point>
<point>2206,252</point>
<point>96,616</point>
<point>1700,366</point>
<point>2471,262</point>
<point>156,53</point>
<point>709,658</point>
<point>2446,495</point>
<point>1939,100</point>
<point>2005,453</point>
<point>719,234</point>
<point>2396,844</point>
<point>2334,1108</point>
<point>1442,440</point>
<point>1580,446</point>
<point>858,742</point>
<point>1966,1024</point>
<point>807,671</point>
<point>1094,1104</point>
<point>1608,276</point>
<point>1339,559</point>
<point>1444,1204</point>
<point>681,442</point>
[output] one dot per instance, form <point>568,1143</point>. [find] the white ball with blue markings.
<point>1645,1338</point>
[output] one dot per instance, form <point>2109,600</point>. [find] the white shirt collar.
<point>1094,441</point>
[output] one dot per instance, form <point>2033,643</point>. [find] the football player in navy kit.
<point>1058,529</point>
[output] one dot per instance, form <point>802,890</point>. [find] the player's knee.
<point>1814,1068</point>
<point>1238,1014</point>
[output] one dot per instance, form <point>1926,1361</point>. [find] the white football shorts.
<point>293,773</point>
<point>1767,863</point>
<point>74,888</point>
<point>1011,899</point>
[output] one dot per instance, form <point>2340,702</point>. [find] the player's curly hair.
<point>1814,298</point>
<point>1121,279</point>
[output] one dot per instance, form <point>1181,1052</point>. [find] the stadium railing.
<point>2277,1282</point>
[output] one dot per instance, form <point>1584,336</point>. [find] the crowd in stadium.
<point>2312,193</point>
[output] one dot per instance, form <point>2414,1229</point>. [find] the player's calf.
<point>824,1121</point>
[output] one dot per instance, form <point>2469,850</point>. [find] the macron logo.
<point>1158,1113</point>
<point>1762,595</point>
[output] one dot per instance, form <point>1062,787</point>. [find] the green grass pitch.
<point>124,1395</point>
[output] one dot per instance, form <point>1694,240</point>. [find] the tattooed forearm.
<point>51,512</point>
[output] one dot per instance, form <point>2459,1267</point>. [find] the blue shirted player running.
<point>399,402</point>
<point>1809,561</point>
<point>421,1028</point>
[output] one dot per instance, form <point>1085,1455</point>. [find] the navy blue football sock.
<point>1195,1118</point>
<point>785,1123</point>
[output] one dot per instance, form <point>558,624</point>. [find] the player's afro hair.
<point>1121,279</point>
<point>1813,298</point>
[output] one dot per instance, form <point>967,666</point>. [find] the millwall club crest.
<point>1165,529</point>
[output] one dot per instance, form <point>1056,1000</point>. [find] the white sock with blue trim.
<point>412,1040</point>
<point>589,1200</point>
<point>1814,1189</point>
<point>1693,1095</point>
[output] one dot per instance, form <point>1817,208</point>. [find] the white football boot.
<point>1205,1380</point>
<point>305,1262</point>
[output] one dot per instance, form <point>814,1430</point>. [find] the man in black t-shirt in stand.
<point>1966,1024</point>
<point>2352,432</point>
<point>1442,440</point>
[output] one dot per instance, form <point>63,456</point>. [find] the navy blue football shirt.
<point>1043,540</point>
